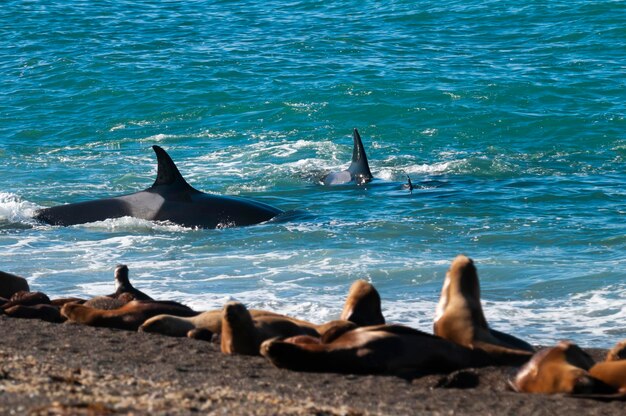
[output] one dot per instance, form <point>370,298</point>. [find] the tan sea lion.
<point>560,369</point>
<point>10,284</point>
<point>130,316</point>
<point>362,305</point>
<point>612,373</point>
<point>613,370</point>
<point>179,326</point>
<point>380,349</point>
<point>460,319</point>
<point>618,352</point>
<point>243,334</point>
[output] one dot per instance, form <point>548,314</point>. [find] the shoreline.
<point>75,369</point>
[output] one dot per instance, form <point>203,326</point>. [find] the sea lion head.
<point>238,332</point>
<point>121,277</point>
<point>459,315</point>
<point>363,305</point>
<point>560,369</point>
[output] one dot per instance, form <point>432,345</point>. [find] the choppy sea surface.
<point>509,118</point>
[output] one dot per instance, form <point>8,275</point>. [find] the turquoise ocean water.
<point>508,116</point>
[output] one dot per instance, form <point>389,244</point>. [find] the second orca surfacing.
<point>170,198</point>
<point>359,170</point>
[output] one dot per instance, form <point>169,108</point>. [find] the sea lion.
<point>613,370</point>
<point>44,312</point>
<point>618,352</point>
<point>130,316</point>
<point>362,305</point>
<point>122,285</point>
<point>25,298</point>
<point>178,326</point>
<point>107,303</point>
<point>560,369</point>
<point>11,284</point>
<point>62,301</point>
<point>243,334</point>
<point>460,319</point>
<point>379,349</point>
<point>612,373</point>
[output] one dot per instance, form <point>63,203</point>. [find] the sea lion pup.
<point>460,319</point>
<point>130,316</point>
<point>243,334</point>
<point>560,369</point>
<point>122,285</point>
<point>379,349</point>
<point>362,305</point>
<point>11,284</point>
<point>44,312</point>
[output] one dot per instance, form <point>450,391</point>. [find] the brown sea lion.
<point>178,326</point>
<point>10,284</point>
<point>44,312</point>
<point>460,319</point>
<point>618,352</point>
<point>362,305</point>
<point>560,369</point>
<point>130,316</point>
<point>123,285</point>
<point>25,298</point>
<point>108,303</point>
<point>243,334</point>
<point>380,349</point>
<point>62,301</point>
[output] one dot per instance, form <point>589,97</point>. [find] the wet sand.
<point>51,369</point>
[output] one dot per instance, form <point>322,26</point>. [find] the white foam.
<point>15,210</point>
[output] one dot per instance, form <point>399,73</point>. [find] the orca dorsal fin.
<point>359,165</point>
<point>167,172</point>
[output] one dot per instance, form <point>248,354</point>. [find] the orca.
<point>171,199</point>
<point>359,170</point>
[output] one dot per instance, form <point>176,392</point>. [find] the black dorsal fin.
<point>167,173</point>
<point>359,164</point>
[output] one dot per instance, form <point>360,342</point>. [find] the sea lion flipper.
<point>511,341</point>
<point>503,355</point>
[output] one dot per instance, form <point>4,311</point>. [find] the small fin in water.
<point>410,184</point>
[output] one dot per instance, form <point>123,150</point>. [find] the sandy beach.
<point>52,369</point>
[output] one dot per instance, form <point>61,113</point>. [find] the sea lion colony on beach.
<point>359,342</point>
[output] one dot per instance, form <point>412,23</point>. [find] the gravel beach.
<point>53,369</point>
